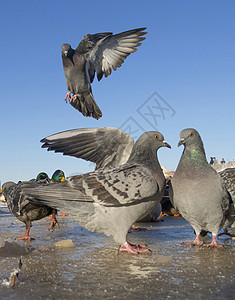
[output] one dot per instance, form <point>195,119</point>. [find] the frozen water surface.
<point>94,269</point>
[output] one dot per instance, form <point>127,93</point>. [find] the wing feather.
<point>105,146</point>
<point>110,51</point>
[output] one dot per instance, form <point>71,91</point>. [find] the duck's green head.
<point>58,176</point>
<point>42,176</point>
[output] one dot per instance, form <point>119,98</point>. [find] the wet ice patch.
<point>163,259</point>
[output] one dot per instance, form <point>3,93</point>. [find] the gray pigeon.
<point>111,200</point>
<point>228,176</point>
<point>26,211</point>
<point>197,191</point>
<point>107,147</point>
<point>98,53</point>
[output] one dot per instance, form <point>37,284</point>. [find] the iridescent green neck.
<point>196,155</point>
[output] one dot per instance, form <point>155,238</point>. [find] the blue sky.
<point>186,65</point>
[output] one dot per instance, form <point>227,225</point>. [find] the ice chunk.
<point>13,249</point>
<point>64,244</point>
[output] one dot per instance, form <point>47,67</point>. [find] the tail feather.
<point>61,196</point>
<point>87,106</point>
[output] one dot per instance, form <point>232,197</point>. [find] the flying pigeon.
<point>197,191</point>
<point>110,200</point>
<point>100,53</point>
<point>25,211</point>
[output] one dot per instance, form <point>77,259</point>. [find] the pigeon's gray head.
<point>67,50</point>
<point>153,139</point>
<point>189,137</point>
<point>146,147</point>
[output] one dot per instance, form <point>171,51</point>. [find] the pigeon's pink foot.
<point>130,248</point>
<point>140,246</point>
<point>74,98</point>
<point>196,242</point>
<point>67,97</point>
<point>214,243</point>
<point>54,222</point>
<point>25,236</point>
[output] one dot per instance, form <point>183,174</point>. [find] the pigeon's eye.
<point>156,136</point>
<point>191,134</point>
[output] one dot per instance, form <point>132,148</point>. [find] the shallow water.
<point>95,270</point>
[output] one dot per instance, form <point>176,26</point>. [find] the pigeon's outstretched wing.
<point>110,51</point>
<point>89,41</point>
<point>105,146</point>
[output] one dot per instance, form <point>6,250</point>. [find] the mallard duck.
<point>25,211</point>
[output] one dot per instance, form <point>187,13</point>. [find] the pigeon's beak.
<point>181,141</point>
<point>166,144</point>
<point>66,53</point>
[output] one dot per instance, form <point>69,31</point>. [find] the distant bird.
<point>110,200</point>
<point>197,191</point>
<point>25,211</point>
<point>100,53</point>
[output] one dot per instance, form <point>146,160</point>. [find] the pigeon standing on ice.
<point>98,53</point>
<point>25,211</point>
<point>107,147</point>
<point>197,191</point>
<point>110,200</point>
